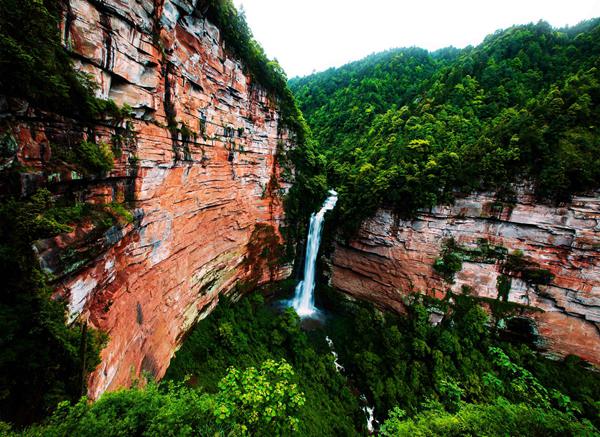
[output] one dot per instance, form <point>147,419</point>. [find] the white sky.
<point>313,35</point>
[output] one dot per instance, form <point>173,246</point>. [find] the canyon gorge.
<point>201,161</point>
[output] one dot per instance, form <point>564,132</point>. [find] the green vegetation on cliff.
<point>268,73</point>
<point>34,65</point>
<point>42,360</point>
<point>407,362</point>
<point>308,167</point>
<point>407,128</point>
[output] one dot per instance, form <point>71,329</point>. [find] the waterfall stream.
<point>337,364</point>
<point>370,413</point>
<point>368,410</point>
<point>303,301</point>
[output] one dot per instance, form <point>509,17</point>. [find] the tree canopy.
<point>409,128</point>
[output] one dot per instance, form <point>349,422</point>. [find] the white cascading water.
<point>303,301</point>
<point>336,363</point>
<point>369,411</point>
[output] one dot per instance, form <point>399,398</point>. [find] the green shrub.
<point>503,286</point>
<point>121,211</point>
<point>170,410</point>
<point>451,260</point>
<point>263,401</point>
<point>498,418</point>
<point>528,270</point>
<point>96,158</point>
<point>449,264</point>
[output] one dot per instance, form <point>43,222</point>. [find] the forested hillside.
<point>407,128</point>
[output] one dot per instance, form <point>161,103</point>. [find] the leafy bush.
<point>171,410</point>
<point>498,418</point>
<point>120,211</point>
<point>98,158</point>
<point>449,264</point>
<point>263,401</point>
<point>260,401</point>
<point>88,157</point>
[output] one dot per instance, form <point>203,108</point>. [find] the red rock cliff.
<point>206,204</point>
<point>391,258</point>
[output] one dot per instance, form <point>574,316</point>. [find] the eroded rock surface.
<point>199,162</point>
<point>391,258</point>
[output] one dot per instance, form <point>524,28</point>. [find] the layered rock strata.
<point>199,161</point>
<point>391,258</point>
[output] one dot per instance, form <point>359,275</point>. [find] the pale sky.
<point>313,35</point>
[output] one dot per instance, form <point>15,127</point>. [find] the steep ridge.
<point>392,257</point>
<point>199,159</point>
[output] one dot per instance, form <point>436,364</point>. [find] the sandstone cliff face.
<point>391,258</point>
<point>207,190</point>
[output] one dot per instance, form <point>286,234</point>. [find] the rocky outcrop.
<point>199,161</point>
<point>556,288</point>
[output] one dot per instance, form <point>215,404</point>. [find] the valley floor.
<point>255,368</point>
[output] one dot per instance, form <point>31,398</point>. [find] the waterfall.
<point>369,411</point>
<point>337,364</point>
<point>303,301</point>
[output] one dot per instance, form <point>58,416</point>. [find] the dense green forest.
<point>408,128</point>
<point>251,369</point>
